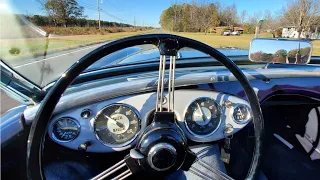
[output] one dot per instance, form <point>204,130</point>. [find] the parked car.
<point>235,33</point>
<point>227,33</point>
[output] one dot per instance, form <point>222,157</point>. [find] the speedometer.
<point>202,117</point>
<point>117,125</point>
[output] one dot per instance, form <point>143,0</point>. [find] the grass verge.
<point>14,49</point>
<point>242,41</point>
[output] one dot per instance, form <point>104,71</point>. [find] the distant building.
<point>291,32</point>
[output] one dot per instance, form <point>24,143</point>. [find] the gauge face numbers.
<point>65,129</point>
<point>117,124</point>
<point>202,117</point>
<point>241,113</point>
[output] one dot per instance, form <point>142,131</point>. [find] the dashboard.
<point>114,124</point>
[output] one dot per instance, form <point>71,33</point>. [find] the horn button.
<point>162,156</point>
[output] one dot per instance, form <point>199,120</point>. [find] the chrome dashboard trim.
<point>144,103</point>
<point>209,134</point>
<point>149,84</point>
<point>123,144</point>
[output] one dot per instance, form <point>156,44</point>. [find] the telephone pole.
<point>134,22</point>
<point>99,13</point>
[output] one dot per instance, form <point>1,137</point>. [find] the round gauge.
<point>241,113</point>
<point>65,129</point>
<point>117,125</point>
<point>202,117</point>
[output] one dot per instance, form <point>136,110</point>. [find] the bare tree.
<point>302,14</point>
<point>207,15</point>
<point>270,23</point>
<point>176,17</point>
<point>254,19</point>
<point>243,16</point>
<point>229,15</point>
<point>196,25</point>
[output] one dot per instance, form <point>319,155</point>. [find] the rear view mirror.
<point>280,51</point>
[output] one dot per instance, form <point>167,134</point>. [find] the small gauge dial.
<point>65,129</point>
<point>241,113</point>
<point>117,125</point>
<point>202,117</point>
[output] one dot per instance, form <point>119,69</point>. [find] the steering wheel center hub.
<point>162,156</point>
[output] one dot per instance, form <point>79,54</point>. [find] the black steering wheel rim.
<point>39,124</point>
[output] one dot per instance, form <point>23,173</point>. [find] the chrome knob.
<point>162,156</point>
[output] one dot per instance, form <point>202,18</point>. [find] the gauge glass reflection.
<point>202,117</point>
<point>117,124</point>
<point>65,129</point>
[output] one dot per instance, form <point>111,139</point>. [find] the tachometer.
<point>202,117</point>
<point>117,125</point>
<point>65,129</point>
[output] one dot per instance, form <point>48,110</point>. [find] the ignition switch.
<point>84,146</point>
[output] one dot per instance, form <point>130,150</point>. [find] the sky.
<point>144,12</point>
<point>267,46</point>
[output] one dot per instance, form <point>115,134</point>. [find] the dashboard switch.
<point>86,113</point>
<point>84,146</point>
<point>228,129</point>
<point>228,104</point>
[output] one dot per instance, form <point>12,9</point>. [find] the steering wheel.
<point>163,139</point>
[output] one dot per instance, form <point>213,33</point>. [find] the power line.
<point>92,7</point>
<point>115,17</point>
<point>87,4</point>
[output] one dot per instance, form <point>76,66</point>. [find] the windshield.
<point>42,38</point>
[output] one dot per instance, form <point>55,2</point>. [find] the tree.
<point>271,24</point>
<point>280,56</point>
<point>208,16</point>
<point>190,17</point>
<point>302,14</point>
<point>243,16</point>
<point>62,11</point>
<point>229,16</point>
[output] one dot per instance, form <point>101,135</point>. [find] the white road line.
<point>56,56</point>
<point>283,141</point>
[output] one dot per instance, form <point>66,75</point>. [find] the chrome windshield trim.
<point>22,79</point>
<point>150,84</point>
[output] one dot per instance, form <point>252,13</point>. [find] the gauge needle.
<point>68,128</point>
<point>117,123</point>
<point>63,134</point>
<point>204,118</point>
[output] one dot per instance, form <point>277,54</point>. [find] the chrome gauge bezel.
<point>125,143</point>
<point>245,121</point>
<point>201,135</point>
<point>65,141</point>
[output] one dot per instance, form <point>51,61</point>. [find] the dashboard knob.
<point>86,113</point>
<point>84,146</point>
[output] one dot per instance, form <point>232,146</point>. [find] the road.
<point>43,70</point>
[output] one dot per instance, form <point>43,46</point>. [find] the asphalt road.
<point>44,69</point>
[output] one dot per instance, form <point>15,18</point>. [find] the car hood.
<point>148,54</point>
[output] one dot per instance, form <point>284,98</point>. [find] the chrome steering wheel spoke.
<point>113,169</point>
<point>162,82</point>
